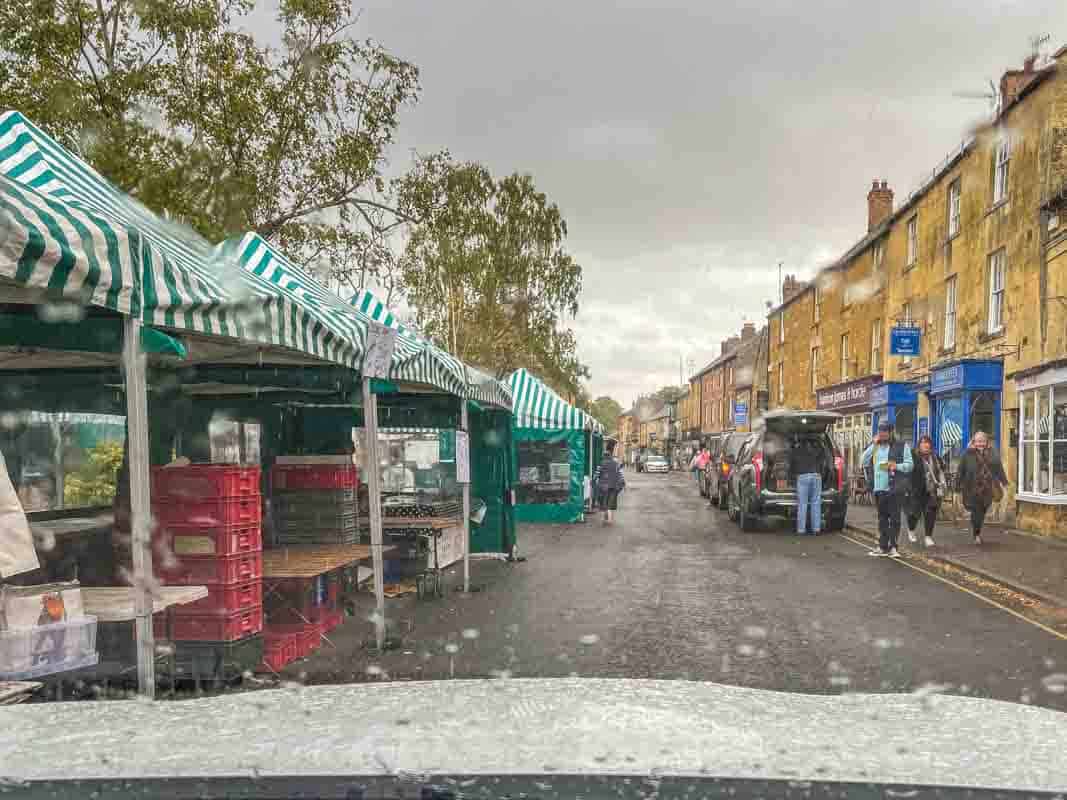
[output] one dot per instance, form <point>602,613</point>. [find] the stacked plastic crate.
<point>313,501</point>
<point>209,532</point>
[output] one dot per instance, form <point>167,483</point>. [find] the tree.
<point>670,394</point>
<point>93,484</point>
<point>177,105</point>
<point>606,411</point>
<point>487,271</point>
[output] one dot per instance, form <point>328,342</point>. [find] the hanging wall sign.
<point>379,354</point>
<point>905,341</point>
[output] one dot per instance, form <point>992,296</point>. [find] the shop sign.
<point>846,395</point>
<point>905,341</point>
<point>1048,377</point>
<point>947,378</point>
<point>740,413</point>
<point>879,396</point>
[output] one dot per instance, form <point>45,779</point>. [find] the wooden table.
<point>116,603</point>
<point>311,560</point>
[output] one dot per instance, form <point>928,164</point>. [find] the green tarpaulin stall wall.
<point>546,430</point>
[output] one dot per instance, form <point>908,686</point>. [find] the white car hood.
<point>542,726</point>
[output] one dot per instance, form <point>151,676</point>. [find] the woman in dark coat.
<point>928,487</point>
<point>982,481</point>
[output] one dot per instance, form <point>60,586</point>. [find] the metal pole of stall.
<point>465,425</point>
<point>140,503</point>
<point>370,427</point>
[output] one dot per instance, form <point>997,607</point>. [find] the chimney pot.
<point>879,204</point>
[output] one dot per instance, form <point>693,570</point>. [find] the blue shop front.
<point>897,402</point>
<point>965,397</point>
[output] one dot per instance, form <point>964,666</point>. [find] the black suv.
<point>761,483</point>
<point>719,467</point>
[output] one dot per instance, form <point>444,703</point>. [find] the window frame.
<point>781,327</point>
<point>948,339</point>
<point>781,381</point>
<point>1001,169</point>
<point>955,195</point>
<point>998,265</point>
<point>879,254</point>
<point>814,365</point>
<point>844,356</point>
<point>816,310</point>
<point>905,311</point>
<point>912,252</point>
<point>876,345</point>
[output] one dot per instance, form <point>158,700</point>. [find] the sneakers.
<point>977,538</point>
<point>894,553</point>
<point>878,553</point>
<point>929,541</point>
<point>912,537</point>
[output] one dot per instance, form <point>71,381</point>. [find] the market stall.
<point>552,452</point>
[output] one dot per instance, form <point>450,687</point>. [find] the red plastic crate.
<point>220,540</point>
<point>200,481</point>
<point>292,601</point>
<point>224,600</point>
<point>307,636</point>
<point>312,476</point>
<point>211,512</point>
<point>333,619</point>
<point>212,570</point>
<point>211,627</point>
<point>279,649</point>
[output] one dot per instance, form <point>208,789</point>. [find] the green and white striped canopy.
<point>480,387</point>
<point>173,277</point>
<point>537,406</point>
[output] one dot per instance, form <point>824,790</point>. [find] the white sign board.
<point>379,356</point>
<point>463,457</point>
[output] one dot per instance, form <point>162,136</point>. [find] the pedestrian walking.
<point>609,482</point>
<point>981,482</point>
<point>884,461</point>
<point>699,462</point>
<point>804,466</point>
<point>927,491</point>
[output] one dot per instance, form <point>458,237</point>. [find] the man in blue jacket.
<point>884,462</point>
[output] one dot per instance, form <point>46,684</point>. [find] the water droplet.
<point>755,632</point>
<point>470,633</point>
<point>1056,683</point>
<point>589,638</point>
<point>745,650</point>
<point>374,670</point>
<point>451,647</point>
<point>840,680</point>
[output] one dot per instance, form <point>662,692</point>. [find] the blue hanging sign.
<point>905,341</point>
<point>740,413</point>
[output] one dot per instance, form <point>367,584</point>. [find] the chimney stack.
<point>879,204</point>
<point>748,331</point>
<point>791,287</point>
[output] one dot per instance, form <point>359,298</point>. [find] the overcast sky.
<point>693,145</point>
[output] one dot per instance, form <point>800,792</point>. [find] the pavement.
<point>1025,562</point>
<point>674,590</point>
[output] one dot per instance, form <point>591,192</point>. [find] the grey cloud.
<point>692,145</point>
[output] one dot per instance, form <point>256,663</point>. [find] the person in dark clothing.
<point>982,481</point>
<point>884,461</point>
<point>804,460</point>
<point>609,482</point>
<point>928,488</point>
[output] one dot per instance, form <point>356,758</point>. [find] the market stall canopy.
<point>481,387</point>
<point>537,406</point>
<point>68,230</point>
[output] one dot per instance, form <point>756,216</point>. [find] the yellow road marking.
<point>983,598</point>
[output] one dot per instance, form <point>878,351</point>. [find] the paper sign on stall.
<point>463,457</point>
<point>379,354</point>
<point>17,553</point>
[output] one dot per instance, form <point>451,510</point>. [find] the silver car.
<point>656,464</point>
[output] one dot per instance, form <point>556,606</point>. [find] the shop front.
<point>896,401</point>
<point>965,397</point>
<point>853,432</point>
<point>1042,443</point>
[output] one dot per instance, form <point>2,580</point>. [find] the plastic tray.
<point>201,481</point>
<point>279,649</point>
<point>211,627</point>
<point>220,540</point>
<point>308,636</point>
<point>224,600</point>
<point>46,649</point>
<point>217,660</point>
<point>212,570</point>
<point>212,512</point>
<point>312,476</point>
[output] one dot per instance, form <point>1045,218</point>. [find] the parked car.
<point>720,466</point>
<point>761,483</point>
<point>654,463</point>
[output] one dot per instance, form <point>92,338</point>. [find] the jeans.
<point>809,497</point>
<point>888,519</point>
<point>978,512</point>
<point>929,517</point>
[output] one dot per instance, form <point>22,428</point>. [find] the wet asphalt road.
<point>674,590</point>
